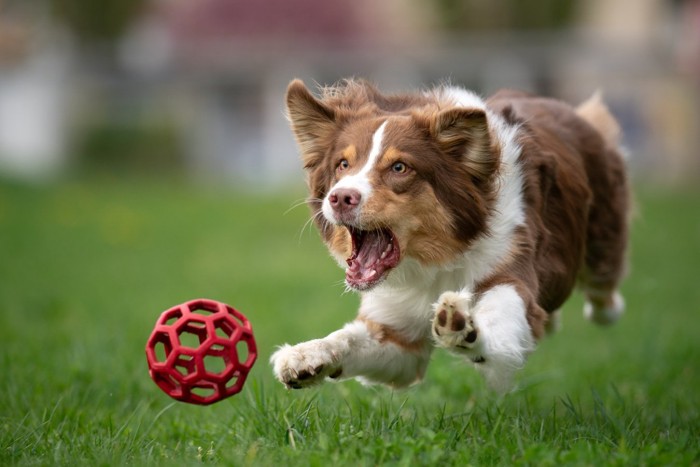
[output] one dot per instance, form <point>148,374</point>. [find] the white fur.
<point>509,213</point>
<point>360,180</point>
<point>504,338</point>
<point>461,97</point>
<point>357,352</point>
<point>404,301</point>
<point>605,315</point>
<point>504,335</point>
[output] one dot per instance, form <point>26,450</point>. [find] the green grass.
<point>87,267</point>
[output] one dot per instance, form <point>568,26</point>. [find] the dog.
<point>464,223</point>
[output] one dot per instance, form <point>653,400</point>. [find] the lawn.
<point>87,266</point>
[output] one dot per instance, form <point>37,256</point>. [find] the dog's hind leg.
<point>606,244</point>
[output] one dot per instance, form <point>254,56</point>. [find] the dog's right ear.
<point>313,123</point>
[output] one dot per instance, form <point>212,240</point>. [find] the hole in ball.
<point>171,316</point>
<point>224,328</point>
<point>192,334</point>
<point>214,364</point>
<point>185,365</point>
<point>232,382</point>
<point>203,307</point>
<point>217,348</point>
<point>242,351</point>
<point>203,391</point>
<point>203,312</point>
<point>162,347</point>
<point>235,315</point>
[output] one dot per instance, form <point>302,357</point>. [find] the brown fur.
<point>384,334</point>
<point>576,194</point>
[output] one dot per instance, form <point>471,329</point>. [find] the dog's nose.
<point>344,200</point>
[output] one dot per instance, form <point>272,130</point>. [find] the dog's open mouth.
<point>374,254</point>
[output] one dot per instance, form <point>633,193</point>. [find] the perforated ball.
<point>201,351</point>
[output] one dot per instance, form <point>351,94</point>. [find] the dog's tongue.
<point>374,253</point>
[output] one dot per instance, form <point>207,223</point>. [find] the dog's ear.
<point>313,123</point>
<point>464,133</point>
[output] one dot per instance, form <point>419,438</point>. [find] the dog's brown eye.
<point>343,165</point>
<point>399,168</point>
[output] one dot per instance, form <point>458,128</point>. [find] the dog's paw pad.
<point>453,326</point>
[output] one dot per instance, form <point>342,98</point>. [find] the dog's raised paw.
<point>304,365</point>
<point>453,325</point>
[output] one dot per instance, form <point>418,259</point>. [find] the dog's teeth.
<point>372,273</point>
<point>387,250</point>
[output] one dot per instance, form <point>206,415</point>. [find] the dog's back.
<point>577,193</point>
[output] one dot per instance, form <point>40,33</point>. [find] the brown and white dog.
<point>464,224</point>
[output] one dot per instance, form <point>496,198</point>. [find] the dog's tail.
<point>596,113</point>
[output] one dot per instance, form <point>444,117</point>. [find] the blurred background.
<point>145,160</point>
<point>196,86</point>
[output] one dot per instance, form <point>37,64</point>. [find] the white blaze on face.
<point>360,180</point>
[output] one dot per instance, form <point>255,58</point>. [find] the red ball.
<point>201,351</point>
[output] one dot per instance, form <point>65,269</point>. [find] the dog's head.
<point>393,177</point>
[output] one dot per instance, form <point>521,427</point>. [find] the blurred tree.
<point>480,15</point>
<point>97,21</point>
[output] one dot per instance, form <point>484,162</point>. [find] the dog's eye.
<point>399,168</point>
<point>343,165</point>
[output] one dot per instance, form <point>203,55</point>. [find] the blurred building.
<point>200,85</point>
<point>34,101</point>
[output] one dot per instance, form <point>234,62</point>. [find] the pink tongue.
<point>371,250</point>
<point>361,266</point>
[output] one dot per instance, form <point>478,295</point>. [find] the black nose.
<point>344,199</point>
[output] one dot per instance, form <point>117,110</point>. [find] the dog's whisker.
<point>346,288</point>
<point>308,223</point>
<point>301,202</point>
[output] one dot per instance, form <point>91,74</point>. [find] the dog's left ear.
<point>464,133</point>
<point>312,121</point>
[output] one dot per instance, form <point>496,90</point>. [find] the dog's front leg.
<point>362,349</point>
<point>492,330</point>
